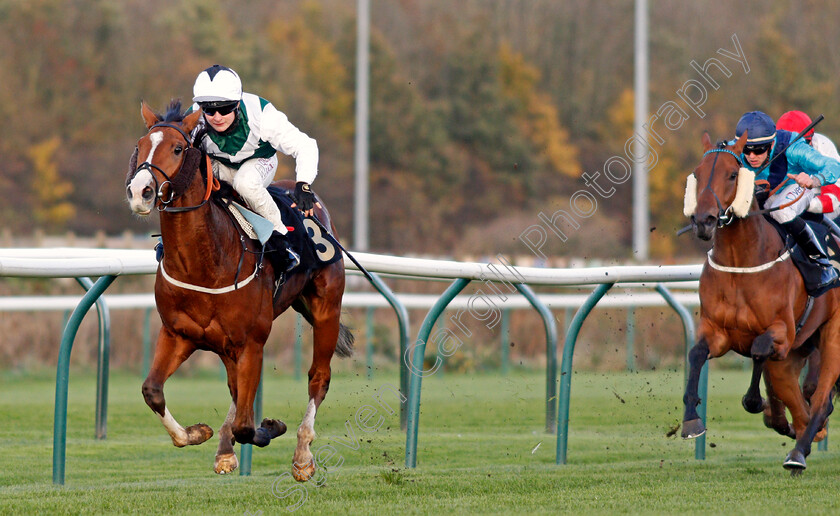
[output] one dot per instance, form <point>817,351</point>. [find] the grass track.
<point>482,449</point>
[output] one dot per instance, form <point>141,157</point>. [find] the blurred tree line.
<point>482,115</point>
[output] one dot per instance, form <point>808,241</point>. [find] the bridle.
<point>724,215</point>
<point>179,184</point>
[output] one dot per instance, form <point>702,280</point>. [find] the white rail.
<point>76,262</point>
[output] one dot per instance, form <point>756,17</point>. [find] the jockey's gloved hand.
<point>304,198</point>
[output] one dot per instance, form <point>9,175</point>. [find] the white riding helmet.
<point>217,84</point>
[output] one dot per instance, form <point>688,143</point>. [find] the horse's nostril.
<point>148,193</point>
<point>128,192</point>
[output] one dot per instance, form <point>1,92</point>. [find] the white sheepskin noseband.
<point>690,202</point>
<point>744,192</point>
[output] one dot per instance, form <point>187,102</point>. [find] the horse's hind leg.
<point>774,412</point>
<point>809,384</point>
<point>821,406</point>
<point>325,318</point>
<point>248,373</point>
<point>170,353</point>
<point>226,461</point>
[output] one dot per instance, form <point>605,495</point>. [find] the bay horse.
<point>752,299</point>
<point>208,297</point>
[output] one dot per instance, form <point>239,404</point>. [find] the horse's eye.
<point>734,175</point>
<point>178,149</point>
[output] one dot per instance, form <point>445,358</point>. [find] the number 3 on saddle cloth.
<point>310,242</point>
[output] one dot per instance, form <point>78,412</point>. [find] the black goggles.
<point>757,149</point>
<point>222,109</point>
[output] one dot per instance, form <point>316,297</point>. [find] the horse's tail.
<point>344,346</point>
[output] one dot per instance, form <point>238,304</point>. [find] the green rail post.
<point>247,450</point>
<point>631,339</point>
<point>417,372</point>
<point>402,320</point>
<point>147,341</point>
<point>369,342</point>
<point>505,341</point>
<point>63,375</point>
<point>102,363</point>
<point>298,360</point>
<point>566,368</point>
<point>703,387</point>
<point>550,355</point>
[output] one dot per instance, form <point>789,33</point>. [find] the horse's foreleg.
<point>760,351</point>
<point>821,406</point>
<point>170,353</point>
<point>325,333</point>
<point>692,424</point>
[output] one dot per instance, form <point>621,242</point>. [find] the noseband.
<point>724,216</point>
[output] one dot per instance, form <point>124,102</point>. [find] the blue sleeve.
<point>803,158</point>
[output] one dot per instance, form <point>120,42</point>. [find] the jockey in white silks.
<point>242,134</point>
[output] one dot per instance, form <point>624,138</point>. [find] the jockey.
<point>828,201</point>
<point>801,169</point>
<point>242,133</point>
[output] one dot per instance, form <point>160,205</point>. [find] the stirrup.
<point>293,259</point>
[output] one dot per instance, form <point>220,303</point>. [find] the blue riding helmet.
<point>760,128</point>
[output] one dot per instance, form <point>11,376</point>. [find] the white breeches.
<point>786,195</point>
<point>250,182</point>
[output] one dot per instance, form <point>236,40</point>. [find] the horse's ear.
<point>707,142</point>
<point>148,115</point>
<point>191,120</point>
<point>739,145</point>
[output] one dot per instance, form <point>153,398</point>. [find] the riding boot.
<point>810,244</point>
<point>292,259</point>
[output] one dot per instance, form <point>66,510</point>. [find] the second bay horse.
<point>751,299</point>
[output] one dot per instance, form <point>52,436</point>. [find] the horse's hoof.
<point>822,434</point>
<point>274,427</point>
<point>693,428</point>
<point>753,405</point>
<point>795,460</point>
<point>197,434</point>
<point>225,463</point>
<point>305,472</point>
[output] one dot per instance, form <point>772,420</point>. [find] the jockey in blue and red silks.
<point>801,170</point>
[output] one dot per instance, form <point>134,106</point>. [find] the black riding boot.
<point>808,241</point>
<point>292,259</point>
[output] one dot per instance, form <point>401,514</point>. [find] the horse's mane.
<point>173,112</point>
